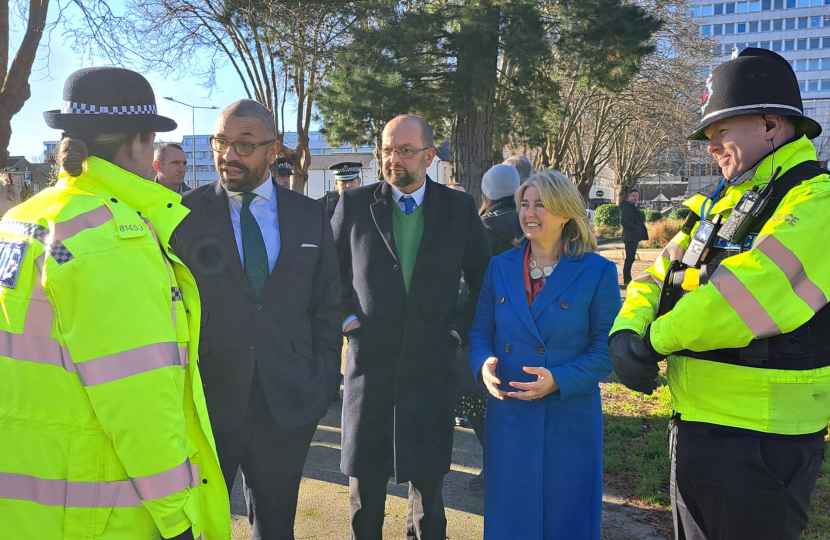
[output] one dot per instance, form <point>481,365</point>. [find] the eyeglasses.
<point>241,148</point>
<point>403,153</point>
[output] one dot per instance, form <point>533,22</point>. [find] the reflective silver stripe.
<point>755,106</point>
<point>745,305</point>
<point>673,251</point>
<point>646,277</point>
<point>789,263</point>
<point>22,487</point>
<point>87,220</point>
<point>165,483</point>
<point>39,315</point>
<point>128,363</point>
<point>35,349</point>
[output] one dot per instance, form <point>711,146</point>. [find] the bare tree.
<point>14,90</point>
<point>275,47</point>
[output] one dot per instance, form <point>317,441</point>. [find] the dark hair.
<point>76,147</point>
<point>158,154</point>
<point>633,190</point>
<point>248,108</point>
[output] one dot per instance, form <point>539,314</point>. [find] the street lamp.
<point>193,139</point>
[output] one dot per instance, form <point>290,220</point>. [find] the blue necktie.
<point>253,246</point>
<point>408,204</point>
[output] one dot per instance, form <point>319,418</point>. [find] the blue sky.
<point>29,130</point>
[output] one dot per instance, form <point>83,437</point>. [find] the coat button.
<point>258,307</point>
<point>507,348</point>
<point>501,299</point>
<point>541,349</point>
<point>564,305</point>
<point>395,267</point>
<point>252,346</point>
<point>204,480</point>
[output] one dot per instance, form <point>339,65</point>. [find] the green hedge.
<point>652,215</point>
<point>608,215</point>
<point>680,213</point>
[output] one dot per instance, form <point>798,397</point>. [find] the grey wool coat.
<point>399,395</point>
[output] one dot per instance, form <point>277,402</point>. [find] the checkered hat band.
<point>73,107</point>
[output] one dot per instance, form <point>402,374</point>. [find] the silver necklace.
<point>536,273</point>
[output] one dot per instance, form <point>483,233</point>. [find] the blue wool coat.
<point>544,457</point>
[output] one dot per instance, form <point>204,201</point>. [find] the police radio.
<point>745,214</point>
<point>702,242</point>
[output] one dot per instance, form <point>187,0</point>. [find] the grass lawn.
<point>637,464</point>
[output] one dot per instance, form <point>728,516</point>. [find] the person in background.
<point>538,345</point>
<point>523,166</point>
<point>456,186</point>
<point>634,231</point>
<point>264,259</point>
<point>170,164</point>
<point>346,176</point>
<point>282,172</point>
<point>103,423</point>
<point>403,244</point>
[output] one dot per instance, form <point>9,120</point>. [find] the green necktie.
<point>253,246</point>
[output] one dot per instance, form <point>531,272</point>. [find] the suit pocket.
<point>303,349</point>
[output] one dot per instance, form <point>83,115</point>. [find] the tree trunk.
<point>14,90</point>
<point>475,90</point>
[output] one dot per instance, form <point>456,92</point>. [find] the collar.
<point>499,204</point>
<point>264,190</point>
<point>104,178</point>
<point>156,180</point>
<point>418,194</point>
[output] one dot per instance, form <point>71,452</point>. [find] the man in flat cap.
<point>746,335</point>
<point>282,172</point>
<point>346,176</point>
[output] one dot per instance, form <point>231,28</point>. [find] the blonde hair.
<point>560,196</point>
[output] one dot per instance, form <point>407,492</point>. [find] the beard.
<point>250,179</point>
<point>405,179</point>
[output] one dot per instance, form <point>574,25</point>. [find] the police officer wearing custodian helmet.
<point>737,301</point>
<point>103,421</point>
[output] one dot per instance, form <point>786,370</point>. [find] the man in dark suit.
<point>634,231</point>
<point>266,266</point>
<point>403,244</point>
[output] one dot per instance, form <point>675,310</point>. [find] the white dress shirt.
<point>264,209</point>
<point>417,196</point>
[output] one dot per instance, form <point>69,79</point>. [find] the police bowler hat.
<point>108,100</point>
<point>757,82</point>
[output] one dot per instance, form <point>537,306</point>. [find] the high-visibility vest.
<point>103,424</point>
<point>771,289</point>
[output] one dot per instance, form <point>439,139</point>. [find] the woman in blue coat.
<point>539,346</point>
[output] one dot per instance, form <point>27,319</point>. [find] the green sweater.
<point>408,231</point>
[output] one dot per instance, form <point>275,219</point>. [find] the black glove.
<point>634,362</point>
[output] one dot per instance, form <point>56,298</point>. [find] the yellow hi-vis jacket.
<point>769,290</point>
<point>104,431</point>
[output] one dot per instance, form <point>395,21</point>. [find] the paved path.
<point>323,510</point>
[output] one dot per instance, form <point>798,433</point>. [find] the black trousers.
<point>425,517</point>
<point>272,460</point>
<point>730,485</point>
<point>630,255</point>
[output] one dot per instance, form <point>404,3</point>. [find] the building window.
<point>826,43</point>
<point>778,24</point>
<point>766,5</point>
<point>825,85</point>
<point>802,44</point>
<point>789,24</point>
<point>742,7</point>
<point>802,22</point>
<point>801,65</point>
<point>790,4</point>
<point>779,4</point>
<point>803,3</point>
<point>802,85</point>
<point>825,63</point>
<point>696,11</point>
<point>765,26</point>
<point>706,30</point>
<point>812,64</point>
<point>815,43</point>
<point>816,2</point>
<point>718,9</point>
<point>755,6</point>
<point>706,11</point>
<point>764,45</point>
<point>729,28</point>
<point>815,22</point>
<point>789,45</point>
<point>717,29</point>
<point>776,46</point>
<point>741,28</point>
<point>36,187</point>
<point>730,8</point>
<point>812,86</point>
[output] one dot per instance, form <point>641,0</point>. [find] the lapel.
<point>217,215</point>
<point>563,275</point>
<point>382,214</point>
<point>435,213</point>
<point>512,273</point>
<point>291,224</point>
